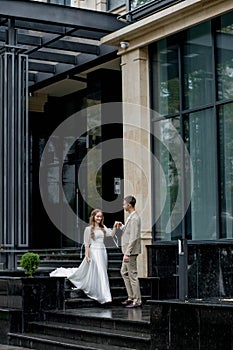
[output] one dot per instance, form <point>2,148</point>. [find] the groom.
<point>131,247</point>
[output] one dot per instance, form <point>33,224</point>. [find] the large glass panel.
<point>113,4</point>
<point>200,135</point>
<point>167,150</point>
<point>165,74</point>
<point>224,41</point>
<point>198,67</point>
<point>226,166</point>
<point>136,3</point>
<point>57,2</point>
<point>94,159</point>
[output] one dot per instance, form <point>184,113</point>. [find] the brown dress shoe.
<point>127,302</point>
<point>133,305</point>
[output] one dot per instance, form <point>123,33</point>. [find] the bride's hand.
<point>88,259</point>
<point>117,224</point>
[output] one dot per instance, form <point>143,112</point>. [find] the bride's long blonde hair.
<point>92,222</point>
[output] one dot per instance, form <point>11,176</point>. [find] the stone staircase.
<point>70,257</point>
<point>89,329</point>
<point>84,323</point>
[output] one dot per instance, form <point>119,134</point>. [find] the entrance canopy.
<point>58,40</point>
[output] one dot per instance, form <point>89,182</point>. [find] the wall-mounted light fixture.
<point>124,44</point>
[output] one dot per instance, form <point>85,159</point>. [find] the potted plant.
<point>30,262</point>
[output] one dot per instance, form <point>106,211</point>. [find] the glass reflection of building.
<point>192,91</point>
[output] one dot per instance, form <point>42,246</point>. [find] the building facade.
<point>166,69</point>
<point>53,67</point>
<point>181,61</point>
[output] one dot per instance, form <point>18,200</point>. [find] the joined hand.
<point>117,224</point>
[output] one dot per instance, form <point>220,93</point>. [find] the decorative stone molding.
<point>166,22</point>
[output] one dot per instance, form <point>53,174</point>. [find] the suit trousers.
<point>130,276</point>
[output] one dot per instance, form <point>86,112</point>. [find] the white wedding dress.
<point>92,278</point>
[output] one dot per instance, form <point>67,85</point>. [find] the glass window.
<point>60,2</point>
<point>224,41</point>
<point>113,4</point>
<point>188,74</point>
<point>200,135</point>
<point>166,98</point>
<point>226,169</point>
<point>198,67</point>
<point>57,2</point>
<point>167,150</point>
<point>136,3</point>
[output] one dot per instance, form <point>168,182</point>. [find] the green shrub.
<point>30,262</point>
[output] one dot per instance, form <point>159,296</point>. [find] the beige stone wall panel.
<point>136,141</point>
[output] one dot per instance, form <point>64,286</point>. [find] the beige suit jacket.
<point>131,236</point>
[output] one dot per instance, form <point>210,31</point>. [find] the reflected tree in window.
<point>198,66</point>
<point>226,158</point>
<point>225,64</point>
<point>168,152</point>
<point>137,3</point>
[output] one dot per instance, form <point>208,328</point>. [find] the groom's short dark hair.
<point>130,200</point>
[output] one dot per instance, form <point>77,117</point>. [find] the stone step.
<point>116,281</point>
<point>116,292</point>
<point>38,342</point>
<point>76,303</point>
<point>72,256</point>
<point>117,287</point>
<point>73,263</point>
<point>113,281</point>
<point>97,335</point>
<point>115,256</point>
<point>66,251</point>
<point>114,272</point>
<point>53,258</point>
<point>117,318</point>
<point>76,299</point>
<point>45,270</point>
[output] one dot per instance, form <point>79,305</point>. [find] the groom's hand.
<point>126,258</point>
<point>117,224</point>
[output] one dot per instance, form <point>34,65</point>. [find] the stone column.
<point>101,5</point>
<point>136,141</point>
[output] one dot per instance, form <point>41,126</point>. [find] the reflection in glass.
<point>165,78</point>
<point>198,66</point>
<point>113,4</point>
<point>94,158</point>
<point>167,150</point>
<point>136,3</point>
<point>226,169</point>
<point>57,2</point>
<point>224,41</point>
<point>200,129</point>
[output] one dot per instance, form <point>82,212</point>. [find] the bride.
<point>91,276</point>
